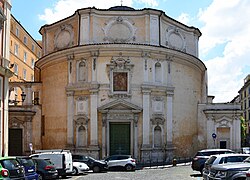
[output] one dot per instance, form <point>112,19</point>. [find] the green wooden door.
<point>119,138</point>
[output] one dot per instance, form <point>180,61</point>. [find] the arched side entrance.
<point>119,128</point>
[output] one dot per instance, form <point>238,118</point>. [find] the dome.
<point>121,8</point>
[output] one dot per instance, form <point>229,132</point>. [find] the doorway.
<point>223,144</point>
<point>15,142</point>
<point>119,138</point>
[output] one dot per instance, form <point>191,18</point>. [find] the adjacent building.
<point>24,52</point>
<point>5,73</point>
<point>244,98</point>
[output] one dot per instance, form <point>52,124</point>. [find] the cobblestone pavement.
<point>180,172</point>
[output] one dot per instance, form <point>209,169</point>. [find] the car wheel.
<point>96,169</point>
<point>75,171</point>
<point>128,167</point>
<point>40,177</point>
<point>201,170</point>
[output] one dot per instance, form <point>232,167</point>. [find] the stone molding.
<point>119,30</point>
<point>157,119</point>
<point>178,42</point>
<point>64,37</point>
<point>81,120</point>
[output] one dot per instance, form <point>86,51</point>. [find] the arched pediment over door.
<point>124,115</point>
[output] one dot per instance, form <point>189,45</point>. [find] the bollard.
<point>174,162</point>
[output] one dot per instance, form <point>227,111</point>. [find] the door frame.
<point>131,134</point>
<point>22,139</point>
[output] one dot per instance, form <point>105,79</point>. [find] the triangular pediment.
<point>120,104</point>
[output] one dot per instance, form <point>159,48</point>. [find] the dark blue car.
<point>29,166</point>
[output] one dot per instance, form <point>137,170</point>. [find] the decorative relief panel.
<point>175,39</point>
<point>119,30</point>
<point>157,119</point>
<point>16,123</point>
<point>64,37</point>
<point>119,116</point>
<point>82,105</point>
<point>157,105</point>
<point>81,120</point>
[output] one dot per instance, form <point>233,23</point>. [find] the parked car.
<point>93,164</point>
<point>29,167</point>
<point>201,156</point>
<point>45,169</point>
<point>16,171</point>
<point>125,162</point>
<point>62,159</point>
<point>222,159</point>
<point>79,167</point>
<point>248,175</point>
<point>11,169</point>
<point>230,171</point>
<point>245,150</point>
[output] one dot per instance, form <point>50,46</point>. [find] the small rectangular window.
<point>24,74</point>
<point>15,68</point>
<point>32,63</point>
<point>16,49</point>
<point>25,40</point>
<point>24,56</point>
<point>33,47</point>
<point>32,77</point>
<point>17,32</point>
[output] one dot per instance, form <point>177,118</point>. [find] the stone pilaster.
<point>146,117</point>
<point>70,118</point>
<point>169,70</point>
<point>104,131</point>
<point>210,131</point>
<point>169,135</point>
<point>94,55</point>
<point>70,68</point>
<point>146,147</point>
<point>136,117</point>
<point>145,56</point>
<point>93,118</point>
<point>169,124</point>
<point>237,132</point>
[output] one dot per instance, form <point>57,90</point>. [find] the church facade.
<point>122,81</point>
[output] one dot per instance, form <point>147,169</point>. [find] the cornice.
<point>127,49</point>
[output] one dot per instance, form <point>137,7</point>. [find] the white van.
<point>62,160</point>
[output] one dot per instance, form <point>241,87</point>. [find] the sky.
<point>223,47</point>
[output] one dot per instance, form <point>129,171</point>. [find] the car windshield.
<point>27,162</point>
<point>10,164</point>
<point>247,160</point>
<point>91,158</point>
<point>209,153</point>
<point>211,160</point>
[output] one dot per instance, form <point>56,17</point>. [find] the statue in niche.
<point>120,81</point>
<point>82,76</point>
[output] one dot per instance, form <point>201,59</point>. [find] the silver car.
<point>222,159</point>
<point>121,162</point>
<point>229,171</point>
<point>79,167</point>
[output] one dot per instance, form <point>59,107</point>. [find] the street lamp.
<point>23,95</point>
